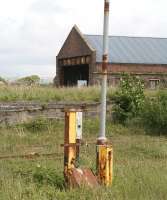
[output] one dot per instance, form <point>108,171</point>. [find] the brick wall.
<point>146,72</point>
<point>134,68</point>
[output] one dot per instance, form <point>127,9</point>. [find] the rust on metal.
<point>80,177</point>
<point>106,6</point>
<point>101,142</point>
<point>105,63</point>
<point>105,58</point>
<point>105,164</point>
<point>71,145</point>
<point>104,68</point>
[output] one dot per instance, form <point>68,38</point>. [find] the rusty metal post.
<point>102,133</point>
<point>105,164</point>
<point>75,176</point>
<point>69,143</point>
<point>104,150</point>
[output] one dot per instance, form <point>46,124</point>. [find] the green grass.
<point>10,93</point>
<point>140,162</point>
<point>48,93</point>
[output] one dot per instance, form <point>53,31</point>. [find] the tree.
<point>3,81</point>
<point>29,80</point>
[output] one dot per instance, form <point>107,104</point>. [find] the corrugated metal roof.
<point>138,50</point>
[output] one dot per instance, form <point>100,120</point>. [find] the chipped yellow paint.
<point>72,139</point>
<point>105,164</point>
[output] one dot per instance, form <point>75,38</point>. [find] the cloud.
<point>48,7</point>
<point>26,70</point>
<point>33,31</point>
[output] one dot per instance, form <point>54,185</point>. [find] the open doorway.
<point>75,73</point>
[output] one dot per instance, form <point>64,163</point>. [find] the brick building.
<point>80,59</point>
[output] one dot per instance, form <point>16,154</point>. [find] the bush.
<point>128,99</point>
<point>29,80</point>
<point>154,113</point>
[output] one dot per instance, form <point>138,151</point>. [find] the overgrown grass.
<point>49,93</point>
<point>140,162</point>
<point>45,94</point>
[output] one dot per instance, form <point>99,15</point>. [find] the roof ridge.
<point>127,36</point>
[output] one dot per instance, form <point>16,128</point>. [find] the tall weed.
<point>154,113</point>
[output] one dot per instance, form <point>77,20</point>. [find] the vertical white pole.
<point>102,133</point>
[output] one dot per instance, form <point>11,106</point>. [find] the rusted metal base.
<point>105,164</point>
<point>82,177</point>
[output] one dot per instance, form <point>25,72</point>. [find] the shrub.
<point>128,99</point>
<point>154,113</point>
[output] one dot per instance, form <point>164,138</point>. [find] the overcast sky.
<point>32,31</point>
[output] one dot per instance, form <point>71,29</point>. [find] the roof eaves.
<point>126,36</point>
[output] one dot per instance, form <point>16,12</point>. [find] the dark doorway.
<point>74,73</point>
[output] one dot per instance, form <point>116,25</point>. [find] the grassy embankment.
<point>140,162</point>
<point>48,93</point>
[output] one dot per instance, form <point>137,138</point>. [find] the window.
<point>154,83</point>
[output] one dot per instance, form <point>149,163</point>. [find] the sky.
<point>33,31</point>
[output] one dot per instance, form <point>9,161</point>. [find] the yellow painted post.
<point>75,176</point>
<point>69,142</point>
<point>105,164</point>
